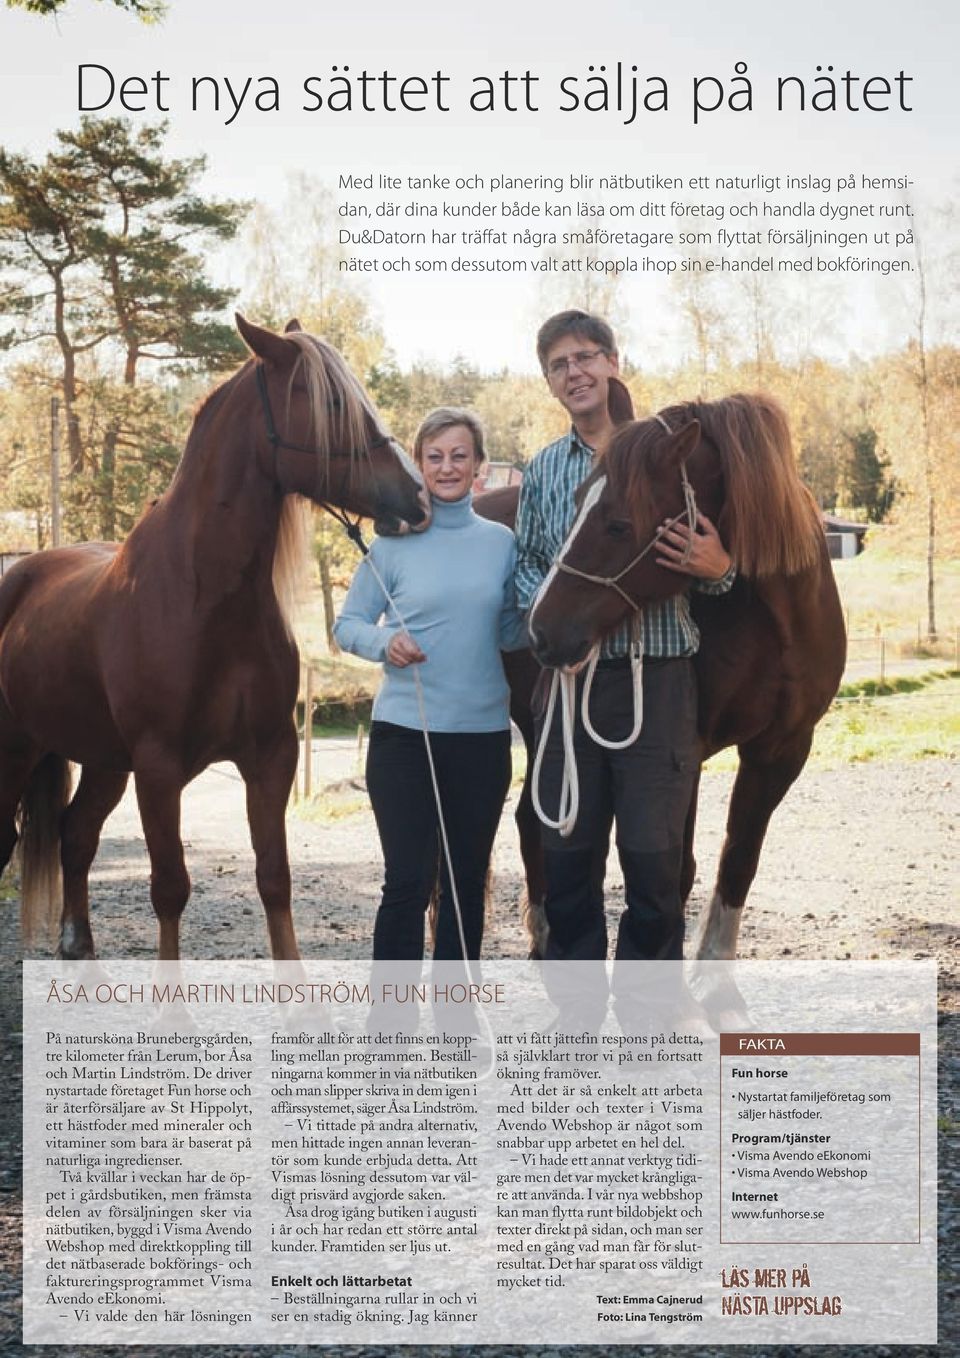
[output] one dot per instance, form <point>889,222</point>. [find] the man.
<point>645,788</point>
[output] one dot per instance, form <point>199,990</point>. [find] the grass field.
<point>919,723</point>
<point>881,590</point>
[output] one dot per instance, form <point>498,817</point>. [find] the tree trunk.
<point>68,379</point>
<point>326,589</point>
<point>107,482</point>
<point>106,486</point>
<point>923,382</point>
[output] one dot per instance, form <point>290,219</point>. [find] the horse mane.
<point>340,416</point>
<point>341,413</point>
<point>770,522</point>
<point>291,557</point>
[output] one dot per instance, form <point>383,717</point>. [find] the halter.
<point>689,513</point>
<point>350,526</point>
<point>566,682</point>
<point>274,438</point>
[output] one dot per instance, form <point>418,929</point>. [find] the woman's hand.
<point>701,554</point>
<point>402,650</point>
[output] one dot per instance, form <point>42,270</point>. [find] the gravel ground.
<point>858,864</point>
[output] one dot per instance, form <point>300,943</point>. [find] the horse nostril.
<point>540,648</point>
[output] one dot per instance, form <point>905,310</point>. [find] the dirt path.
<point>858,863</point>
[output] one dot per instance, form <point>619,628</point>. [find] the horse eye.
<point>617,528</point>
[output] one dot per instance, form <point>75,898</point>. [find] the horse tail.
<point>41,888</point>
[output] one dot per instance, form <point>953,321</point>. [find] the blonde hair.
<point>448,417</point>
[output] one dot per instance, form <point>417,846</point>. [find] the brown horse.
<point>174,650</point>
<point>772,650</point>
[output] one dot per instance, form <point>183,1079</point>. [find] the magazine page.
<point>479,649</point>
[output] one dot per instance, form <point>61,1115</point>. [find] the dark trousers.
<point>646,789</point>
<point>473,772</point>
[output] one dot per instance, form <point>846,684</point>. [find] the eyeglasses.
<point>582,358</point>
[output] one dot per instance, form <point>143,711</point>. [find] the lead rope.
<point>566,682</point>
<point>445,843</point>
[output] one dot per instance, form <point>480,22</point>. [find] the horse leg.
<point>160,783</point>
<point>15,770</point>
<point>38,786</point>
<point>760,786</point>
<point>269,778</point>
<point>523,674</point>
<point>688,869</point>
<point>8,826</point>
<point>533,916</point>
<point>98,793</point>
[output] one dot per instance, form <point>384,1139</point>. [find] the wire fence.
<point>886,651</point>
<point>311,705</point>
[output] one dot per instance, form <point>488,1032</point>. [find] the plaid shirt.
<point>545,517</point>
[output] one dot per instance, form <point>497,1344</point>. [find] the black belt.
<point>622,662</point>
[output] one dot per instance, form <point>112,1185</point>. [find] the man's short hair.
<point>566,323</point>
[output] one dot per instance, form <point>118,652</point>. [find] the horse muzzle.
<point>393,526</point>
<point>557,653</point>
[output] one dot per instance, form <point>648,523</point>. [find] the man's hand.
<point>701,554</point>
<point>402,650</point>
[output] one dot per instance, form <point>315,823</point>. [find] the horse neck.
<point>218,522</point>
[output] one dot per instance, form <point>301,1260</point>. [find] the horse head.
<point>607,567</point>
<point>318,435</point>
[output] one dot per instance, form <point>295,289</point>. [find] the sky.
<point>491,319</point>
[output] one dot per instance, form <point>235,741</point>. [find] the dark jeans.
<point>473,773</point>
<point>646,788</point>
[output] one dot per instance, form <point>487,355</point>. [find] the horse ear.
<point>619,402</point>
<point>678,447</point>
<point>292,324</point>
<point>265,344</point>
<point>687,439</point>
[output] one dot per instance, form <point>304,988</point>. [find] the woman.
<point>437,609</point>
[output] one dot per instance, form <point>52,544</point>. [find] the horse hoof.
<point>76,945</point>
<point>720,997</point>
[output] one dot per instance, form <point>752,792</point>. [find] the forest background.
<point>115,320</point>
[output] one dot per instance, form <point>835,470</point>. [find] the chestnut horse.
<point>173,650</point>
<point>772,650</point>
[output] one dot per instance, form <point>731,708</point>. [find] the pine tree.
<point>869,485</point>
<point>101,251</point>
<point>147,10</point>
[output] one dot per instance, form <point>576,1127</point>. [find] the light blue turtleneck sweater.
<point>453,588</point>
